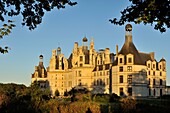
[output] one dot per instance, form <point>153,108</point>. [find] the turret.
<point>58,51</point>
<point>92,51</point>
<point>107,55</point>
<point>128,35</point>
<point>41,60</point>
<point>85,43</point>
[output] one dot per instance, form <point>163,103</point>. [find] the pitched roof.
<point>129,48</point>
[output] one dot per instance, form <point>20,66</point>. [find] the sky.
<point>63,27</point>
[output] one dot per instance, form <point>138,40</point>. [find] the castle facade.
<point>128,72</point>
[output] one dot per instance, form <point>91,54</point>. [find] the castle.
<point>128,72</point>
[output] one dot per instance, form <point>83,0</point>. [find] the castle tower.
<point>91,51</point>
<point>53,60</point>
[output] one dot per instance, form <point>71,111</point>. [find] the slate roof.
<point>129,48</point>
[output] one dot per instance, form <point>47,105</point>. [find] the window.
<point>129,68</point>
<point>154,92</point>
<point>79,73</point>
<point>149,65</point>
<point>153,81</point>
<point>81,65</point>
<point>107,82</point>
<point>81,58</point>
<point>149,81</point>
<point>149,72</point>
<point>149,92</point>
<point>129,60</point>
<point>94,74</point>
<point>101,82</point>
<point>153,72</point>
<point>160,73</point>
<point>120,60</point>
<point>130,91</point>
<point>121,79</point>
<point>100,73</point>
<point>153,65</point>
<point>160,92</point>
<point>98,82</point>
<point>160,81</point>
<point>160,67</point>
<point>107,72</point>
<point>129,79</point>
<point>121,91</point>
<point>121,69</point>
<point>80,82</point>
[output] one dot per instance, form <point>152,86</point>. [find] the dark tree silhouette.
<point>155,12</point>
<point>32,12</point>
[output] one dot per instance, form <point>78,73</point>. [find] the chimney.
<point>152,55</point>
<point>117,49</point>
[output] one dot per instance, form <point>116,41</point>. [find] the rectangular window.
<point>153,81</point>
<point>153,65</point>
<point>121,79</point>
<point>120,60</point>
<point>79,73</point>
<point>94,74</point>
<point>81,58</point>
<point>160,81</point>
<point>149,92</point>
<point>149,72</point>
<point>129,60</point>
<point>107,72</point>
<point>153,72</point>
<point>149,65</point>
<point>80,82</point>
<point>160,92</point>
<point>100,73</point>
<point>130,91</point>
<point>121,91</point>
<point>160,73</point>
<point>130,79</point>
<point>107,82</point>
<point>81,65</point>
<point>129,68</point>
<point>121,69</point>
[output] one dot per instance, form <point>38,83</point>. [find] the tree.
<point>155,12</point>
<point>4,31</point>
<point>32,12</point>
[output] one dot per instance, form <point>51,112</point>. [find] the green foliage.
<point>19,99</point>
<point>114,98</point>
<point>4,31</point>
<point>147,11</point>
<point>32,11</point>
<point>128,105</point>
<point>66,93</point>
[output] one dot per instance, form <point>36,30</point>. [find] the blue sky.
<point>63,27</point>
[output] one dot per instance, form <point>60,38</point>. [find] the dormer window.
<point>129,60</point>
<point>81,58</point>
<point>149,65</point>
<point>121,60</point>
